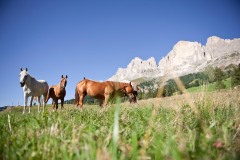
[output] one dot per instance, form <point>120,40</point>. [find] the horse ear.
<point>130,83</point>
<point>21,69</point>
<point>26,69</point>
<point>66,76</point>
<point>62,76</point>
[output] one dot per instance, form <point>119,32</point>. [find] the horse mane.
<point>92,80</point>
<point>118,85</point>
<point>32,78</point>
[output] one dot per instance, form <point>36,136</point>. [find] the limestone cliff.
<point>185,57</point>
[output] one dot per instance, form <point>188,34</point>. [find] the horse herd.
<point>99,90</point>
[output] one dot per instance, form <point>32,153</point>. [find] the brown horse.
<point>57,92</point>
<point>135,92</point>
<point>102,90</point>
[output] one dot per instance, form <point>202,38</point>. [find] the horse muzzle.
<point>22,84</point>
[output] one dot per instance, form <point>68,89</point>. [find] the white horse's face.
<point>23,77</point>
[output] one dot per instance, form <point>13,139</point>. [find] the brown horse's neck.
<point>119,86</point>
<point>60,88</point>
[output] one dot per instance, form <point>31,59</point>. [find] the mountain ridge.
<point>185,57</point>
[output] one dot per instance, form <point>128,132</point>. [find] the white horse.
<point>33,88</point>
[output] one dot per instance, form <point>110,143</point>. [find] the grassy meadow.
<point>210,87</point>
<point>189,126</point>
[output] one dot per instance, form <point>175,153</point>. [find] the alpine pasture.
<point>204,125</point>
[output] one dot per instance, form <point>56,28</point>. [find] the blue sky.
<point>94,38</point>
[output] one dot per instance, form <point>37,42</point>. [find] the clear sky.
<point>94,38</point>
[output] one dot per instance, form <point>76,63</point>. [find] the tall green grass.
<point>144,131</point>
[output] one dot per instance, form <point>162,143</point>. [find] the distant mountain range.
<point>185,57</point>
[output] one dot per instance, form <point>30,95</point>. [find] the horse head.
<point>135,92</point>
<point>23,76</point>
<point>63,82</point>
<point>129,90</point>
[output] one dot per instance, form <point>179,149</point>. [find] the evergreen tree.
<point>218,78</point>
<point>209,72</point>
<point>235,78</point>
<point>168,90</point>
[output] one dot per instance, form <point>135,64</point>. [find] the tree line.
<point>210,75</point>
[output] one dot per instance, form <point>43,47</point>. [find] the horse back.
<point>43,85</point>
<point>93,89</point>
<point>100,87</point>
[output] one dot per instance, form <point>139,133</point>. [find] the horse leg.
<point>46,98</point>
<point>44,101</point>
<point>53,105</point>
<point>56,103</point>
<point>31,100</point>
<point>25,102</point>
<point>80,102</point>
<point>106,100</point>
<point>62,101</point>
<point>39,103</point>
<point>100,102</point>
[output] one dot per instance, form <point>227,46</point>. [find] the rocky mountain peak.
<point>136,68</point>
<point>185,57</point>
<point>215,40</point>
<point>138,62</point>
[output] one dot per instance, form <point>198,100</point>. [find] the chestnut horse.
<point>101,90</point>
<point>57,92</point>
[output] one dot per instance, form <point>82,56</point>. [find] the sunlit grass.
<point>161,128</point>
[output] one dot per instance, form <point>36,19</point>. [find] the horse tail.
<point>79,85</point>
<point>48,94</point>
<point>76,96</point>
